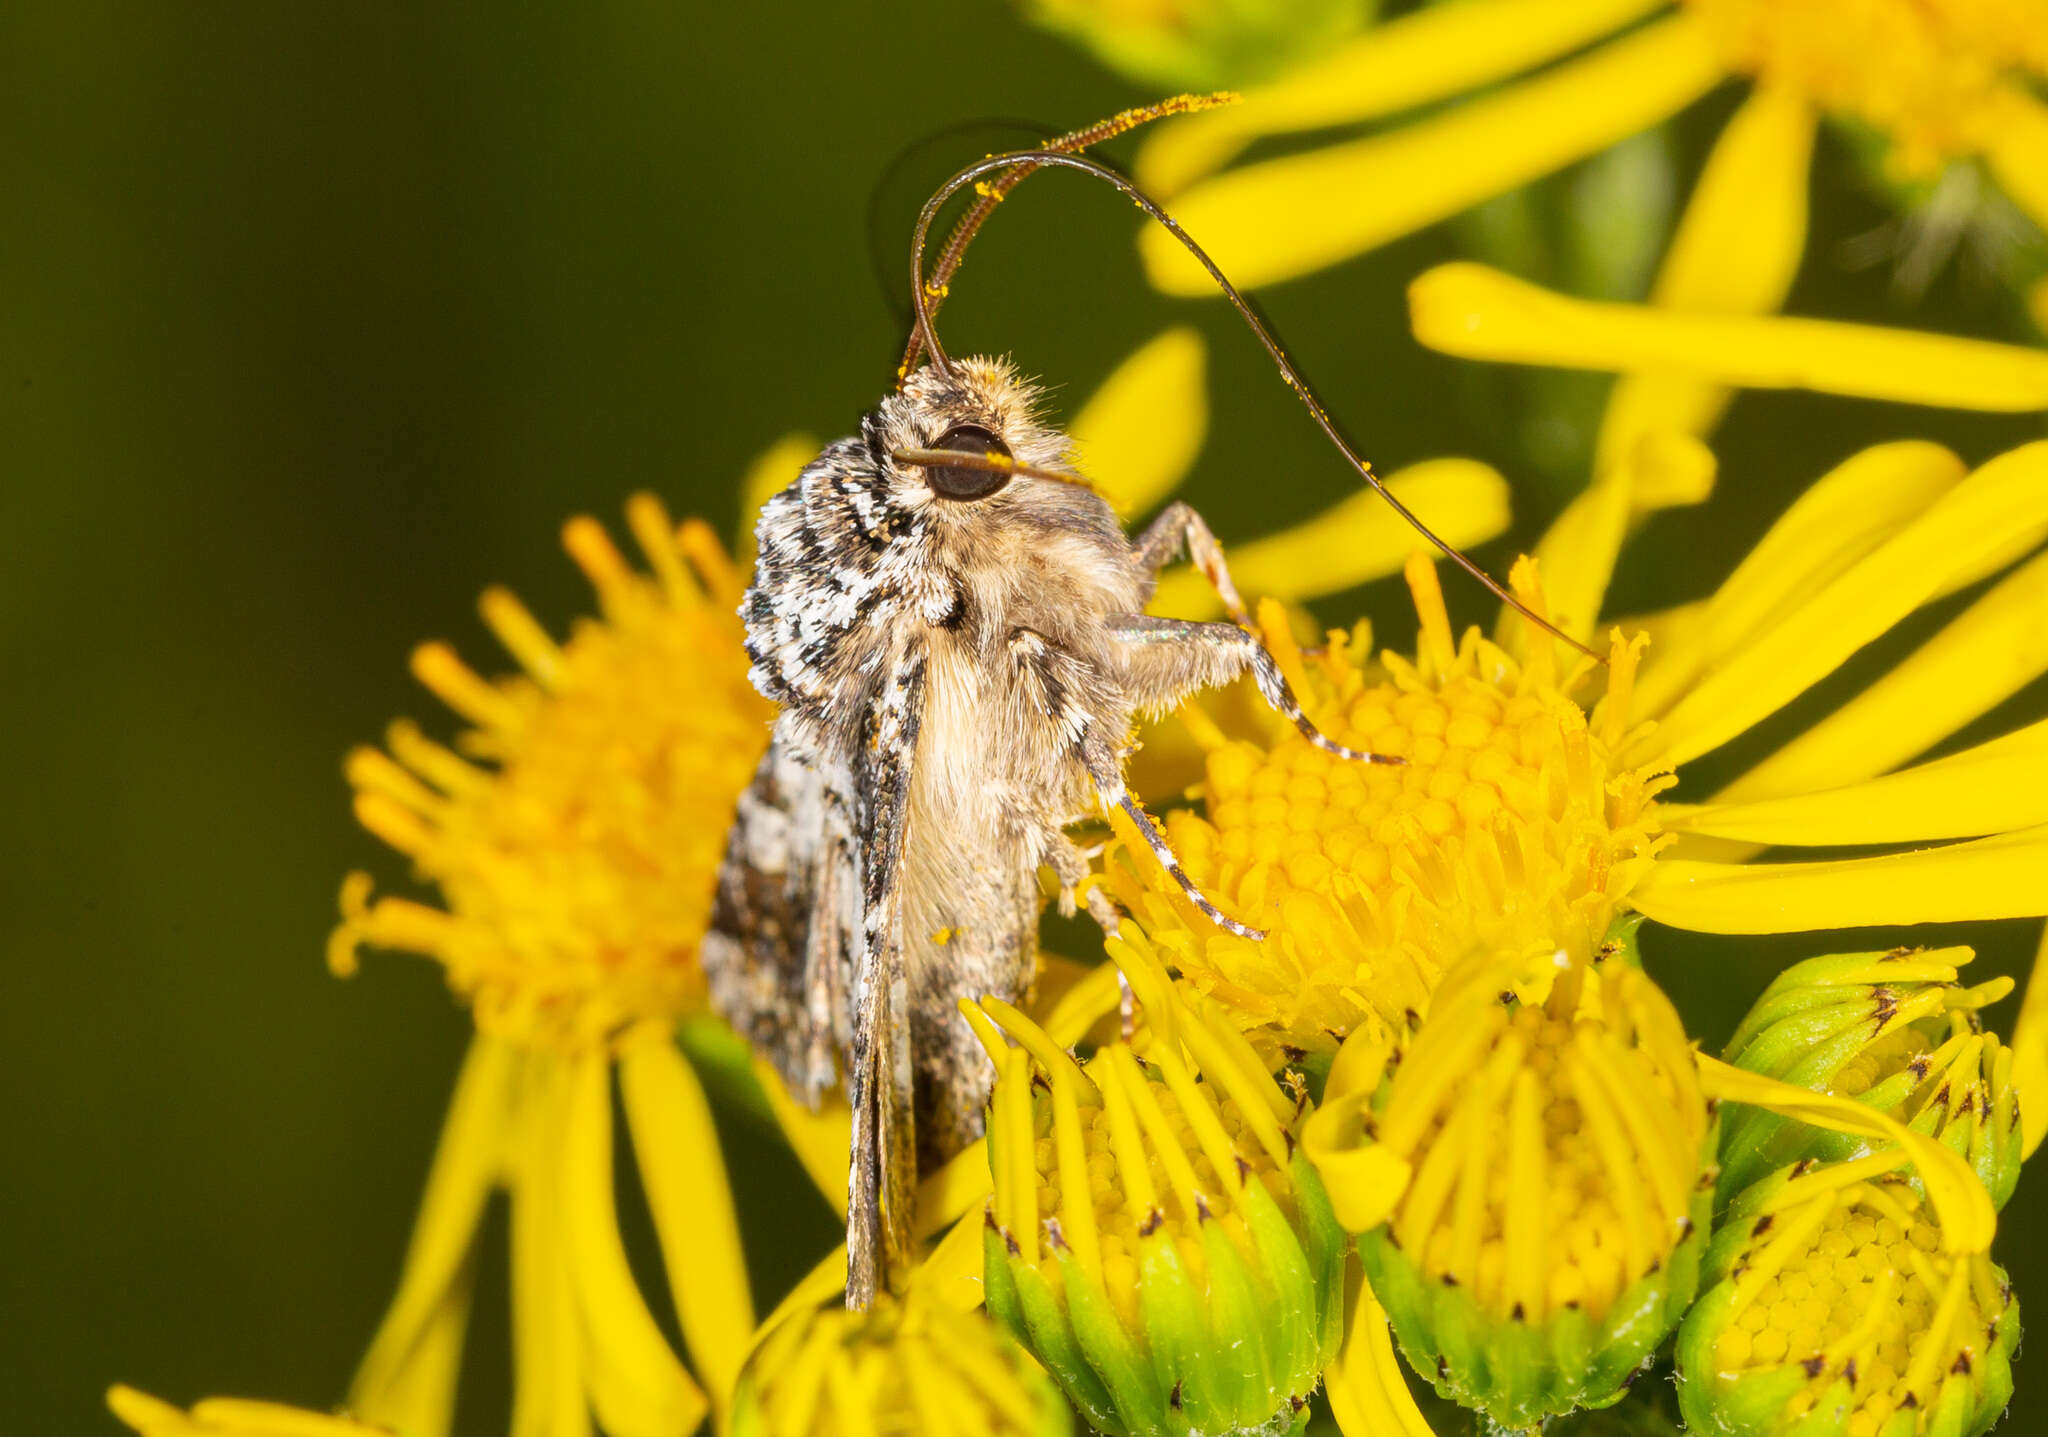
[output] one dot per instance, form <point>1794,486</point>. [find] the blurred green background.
<point>318,319</point>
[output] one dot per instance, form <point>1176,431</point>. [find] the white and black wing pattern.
<point>882,1182</point>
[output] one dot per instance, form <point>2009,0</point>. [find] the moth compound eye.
<point>958,481</point>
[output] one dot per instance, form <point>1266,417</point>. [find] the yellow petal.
<point>2030,1053</point>
<point>2002,500</point>
<point>1435,52</point>
<point>1138,435</point>
<point>1479,313</point>
<point>1287,217</point>
<point>952,1270</point>
<point>682,1171</point>
<point>1988,653</point>
<point>2018,154</point>
<point>548,1398</point>
<point>637,1386</point>
<point>1968,1220</point>
<point>1359,538</point>
<point>151,1416</point>
<point>1368,1395</point>
<point>407,1378</point>
<point>1993,788</point>
<point>1838,520</point>
<point>820,1137</point>
<point>1736,251</point>
<point>2005,876</point>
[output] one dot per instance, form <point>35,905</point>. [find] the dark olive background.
<point>318,319</point>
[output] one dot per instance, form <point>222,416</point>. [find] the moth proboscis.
<point>953,623</point>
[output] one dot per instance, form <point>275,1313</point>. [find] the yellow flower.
<point>231,1417</point>
<point>1940,82</point>
<point>1153,1237</point>
<point>919,1363</point>
<point>1533,1182</point>
<point>1531,808</point>
<point>1834,1307</point>
<point>575,847</point>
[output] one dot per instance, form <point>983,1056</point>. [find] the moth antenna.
<point>995,192</point>
<point>1034,159</point>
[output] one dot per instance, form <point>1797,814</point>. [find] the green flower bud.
<point>909,1364</point>
<point>1531,1185</point>
<point>1895,1031</point>
<point>1153,1238</point>
<point>1833,1309</point>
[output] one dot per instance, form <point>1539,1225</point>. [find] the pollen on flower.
<point>1840,1274</point>
<point>1931,75</point>
<point>574,830</point>
<point>1509,825</point>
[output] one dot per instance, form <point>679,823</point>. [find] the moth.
<point>953,623</point>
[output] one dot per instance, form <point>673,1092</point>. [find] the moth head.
<point>969,433</point>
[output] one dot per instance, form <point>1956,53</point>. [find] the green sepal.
<point>1618,943</point>
<point>1119,1359</point>
<point>1184,1354</point>
<point>1295,1319</point>
<point>1243,1374</point>
<point>1327,1247</point>
<point>1019,1297</point>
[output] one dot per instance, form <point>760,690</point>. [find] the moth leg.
<point>1168,659</point>
<point>1062,682</point>
<point>882,1173</point>
<point>1178,528</point>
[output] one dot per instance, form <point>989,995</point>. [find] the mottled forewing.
<point>785,926</point>
<point>882,1180</point>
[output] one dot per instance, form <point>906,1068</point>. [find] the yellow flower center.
<point>1849,1281</point>
<point>1930,74</point>
<point>1556,1148</point>
<point>577,860</point>
<point>1509,825</point>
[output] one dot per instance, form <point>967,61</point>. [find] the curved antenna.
<point>991,195</point>
<point>921,299</point>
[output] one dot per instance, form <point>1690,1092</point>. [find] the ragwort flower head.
<point>1510,824</point>
<point>1834,1309</point>
<point>1534,807</point>
<point>1532,1181</point>
<point>1154,1237</point>
<point>575,837</point>
<point>908,1365</point>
